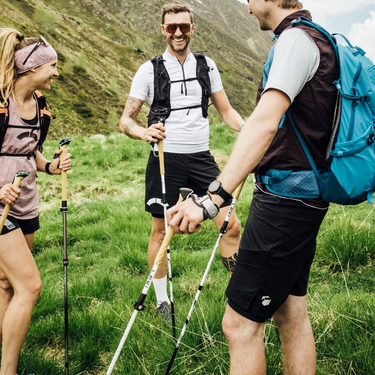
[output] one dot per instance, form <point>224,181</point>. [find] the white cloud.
<point>363,35</point>
<point>334,8</point>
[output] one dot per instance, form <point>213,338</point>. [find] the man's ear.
<point>162,29</point>
<point>192,28</point>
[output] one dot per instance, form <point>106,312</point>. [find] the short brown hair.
<point>289,4</point>
<point>175,7</point>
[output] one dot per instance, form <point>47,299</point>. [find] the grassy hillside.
<point>101,44</point>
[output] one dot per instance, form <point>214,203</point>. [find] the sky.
<point>353,18</point>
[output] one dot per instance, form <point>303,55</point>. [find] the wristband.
<point>242,125</point>
<point>210,210</point>
<point>46,168</point>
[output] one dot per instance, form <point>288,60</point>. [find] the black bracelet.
<point>46,168</point>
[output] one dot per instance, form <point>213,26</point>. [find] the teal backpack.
<point>348,176</point>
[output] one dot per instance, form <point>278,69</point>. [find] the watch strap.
<point>210,210</point>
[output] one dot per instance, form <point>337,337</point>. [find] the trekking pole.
<point>63,145</point>
<point>138,306</point>
<point>164,202</point>
<point>223,230</point>
<point>18,177</point>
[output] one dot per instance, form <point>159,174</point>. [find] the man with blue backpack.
<point>297,142</point>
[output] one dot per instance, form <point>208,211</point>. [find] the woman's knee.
<point>31,290</point>
<point>36,288</point>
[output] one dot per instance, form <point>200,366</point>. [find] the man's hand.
<point>154,133</point>
<point>185,217</point>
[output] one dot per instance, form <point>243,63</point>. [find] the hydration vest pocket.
<point>157,114</point>
<point>293,184</point>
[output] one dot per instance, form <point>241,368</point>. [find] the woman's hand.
<point>9,194</point>
<point>57,166</point>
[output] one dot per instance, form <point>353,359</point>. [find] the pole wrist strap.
<point>210,210</point>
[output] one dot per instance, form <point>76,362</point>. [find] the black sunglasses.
<point>38,43</point>
<point>171,28</point>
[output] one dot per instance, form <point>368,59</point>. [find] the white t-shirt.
<point>187,131</point>
<point>295,62</point>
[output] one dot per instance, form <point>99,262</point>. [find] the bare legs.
<point>246,347</point>
<point>20,286</point>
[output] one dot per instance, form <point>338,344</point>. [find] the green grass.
<point>108,233</point>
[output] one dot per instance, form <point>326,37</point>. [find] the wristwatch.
<point>215,187</point>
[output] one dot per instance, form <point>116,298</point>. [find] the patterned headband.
<point>33,56</point>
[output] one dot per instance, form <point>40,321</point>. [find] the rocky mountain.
<point>101,43</point>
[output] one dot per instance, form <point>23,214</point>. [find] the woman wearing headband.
<point>26,65</point>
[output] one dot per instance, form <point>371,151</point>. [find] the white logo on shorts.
<point>266,300</point>
<point>9,224</point>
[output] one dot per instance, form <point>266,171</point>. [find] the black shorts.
<point>27,226</point>
<point>275,255</point>
<point>195,171</point>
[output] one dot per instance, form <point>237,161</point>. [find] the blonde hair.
<point>12,41</point>
<point>175,7</point>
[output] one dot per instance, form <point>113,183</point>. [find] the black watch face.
<point>214,186</point>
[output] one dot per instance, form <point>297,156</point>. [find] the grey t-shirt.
<point>295,62</point>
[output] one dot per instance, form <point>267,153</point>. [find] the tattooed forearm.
<point>128,126</point>
<point>128,123</point>
<point>132,107</point>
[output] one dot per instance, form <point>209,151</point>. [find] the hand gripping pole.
<point>63,145</point>
<point>18,177</point>
<point>139,306</point>
<point>223,230</point>
<point>164,202</point>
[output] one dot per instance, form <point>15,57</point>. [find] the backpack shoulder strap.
<point>204,80</point>
<point>44,117</point>
<point>331,39</point>
<point>4,118</point>
<point>161,81</point>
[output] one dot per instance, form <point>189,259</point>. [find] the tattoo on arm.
<point>132,108</point>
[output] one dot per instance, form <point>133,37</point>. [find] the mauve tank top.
<point>22,139</point>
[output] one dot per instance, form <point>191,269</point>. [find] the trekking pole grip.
<point>184,194</point>
<point>161,157</point>
<point>19,176</point>
<point>167,240</point>
<point>63,145</point>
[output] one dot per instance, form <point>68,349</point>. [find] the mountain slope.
<point>102,43</point>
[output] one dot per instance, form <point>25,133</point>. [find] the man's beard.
<point>186,45</point>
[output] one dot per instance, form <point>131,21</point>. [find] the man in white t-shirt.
<point>184,132</point>
<point>279,240</point>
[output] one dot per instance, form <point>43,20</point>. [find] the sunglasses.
<point>38,43</point>
<point>171,28</point>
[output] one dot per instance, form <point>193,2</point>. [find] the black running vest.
<point>161,105</point>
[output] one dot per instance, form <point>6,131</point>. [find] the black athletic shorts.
<point>27,226</point>
<point>275,255</point>
<point>195,171</point>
